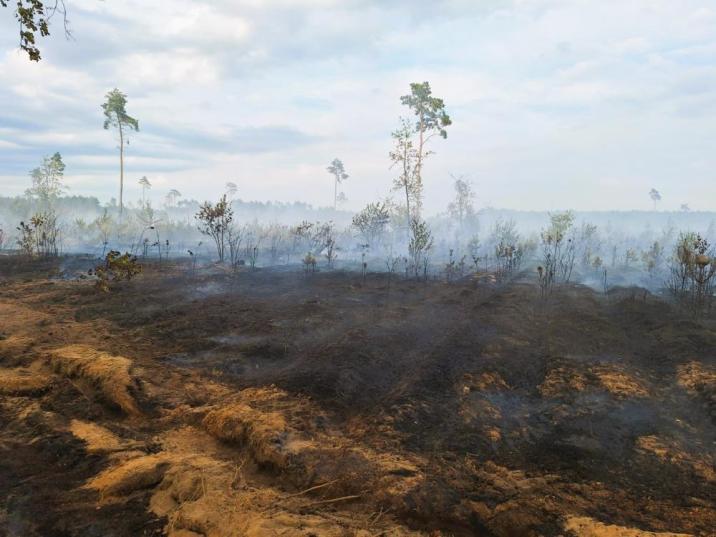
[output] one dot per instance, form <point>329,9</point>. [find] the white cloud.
<point>167,70</point>
<point>555,100</point>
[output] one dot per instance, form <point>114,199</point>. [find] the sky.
<point>556,104</point>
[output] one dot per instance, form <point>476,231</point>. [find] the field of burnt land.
<point>270,402</point>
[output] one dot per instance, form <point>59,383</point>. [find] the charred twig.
<point>311,489</point>
<point>334,500</point>
<point>373,519</point>
<point>239,467</point>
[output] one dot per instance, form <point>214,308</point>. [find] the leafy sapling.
<point>214,220</point>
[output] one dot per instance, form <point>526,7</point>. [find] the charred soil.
<point>271,402</point>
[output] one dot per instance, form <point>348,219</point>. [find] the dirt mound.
<point>109,374</point>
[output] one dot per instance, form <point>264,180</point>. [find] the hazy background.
<point>583,104</point>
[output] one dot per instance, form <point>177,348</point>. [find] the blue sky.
<point>583,104</point>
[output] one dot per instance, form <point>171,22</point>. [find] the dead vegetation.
<point>23,381</point>
<point>109,374</point>
<point>588,527</point>
<point>99,439</point>
<point>135,474</point>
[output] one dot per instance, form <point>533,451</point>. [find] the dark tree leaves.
<point>429,110</point>
<point>34,17</point>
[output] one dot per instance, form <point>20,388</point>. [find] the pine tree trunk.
<point>121,169</point>
<point>407,202</point>
<point>419,167</point>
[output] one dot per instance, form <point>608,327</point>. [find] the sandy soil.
<point>276,403</point>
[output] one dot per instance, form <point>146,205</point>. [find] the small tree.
<point>39,236</point>
<point>47,234</point>
<point>172,196</point>
<point>630,257</point>
<point>588,244</point>
<point>509,258</point>
<point>404,156</point>
<point>253,236</point>
<point>309,263</point>
<point>301,235</point>
<point>655,196</point>
<point>115,115</point>
<point>323,241</point>
<point>391,263</point>
<point>116,268</point>
<point>372,221</point>
<point>234,239</point>
<point>558,250</point>
<point>473,248</point>
<point>146,185</point>
<point>277,235</point>
<point>231,189</point>
<point>337,170</point>
<point>421,240</point>
<point>214,221</point>
<point>47,181</point>
<point>462,207</point>
<point>331,250</point>
<point>503,234</point>
<point>653,259</point>
<point>692,272</point>
<point>104,226</point>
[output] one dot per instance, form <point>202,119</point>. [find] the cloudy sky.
<point>583,104</point>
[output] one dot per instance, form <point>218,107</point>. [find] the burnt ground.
<point>277,403</point>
